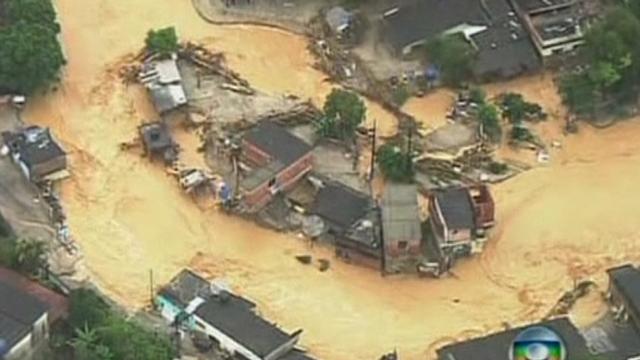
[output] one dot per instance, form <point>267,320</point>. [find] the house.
<point>503,47</point>
<point>277,159</point>
<point>497,346</point>
<point>401,228</point>
<point>351,219</point>
<point>157,141</point>
<point>178,299</point>
<point>27,310</point>
<point>37,154</point>
<point>555,26</point>
<point>459,216</point>
<point>163,81</point>
<point>229,320</point>
<point>624,293</point>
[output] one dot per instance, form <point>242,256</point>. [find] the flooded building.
<point>27,310</point>
<point>163,81</point>
<point>351,219</point>
<point>37,154</point>
<point>157,142</point>
<point>497,346</point>
<point>555,26</point>
<point>228,319</point>
<point>624,293</point>
<point>503,47</point>
<point>459,217</point>
<point>401,228</point>
<point>276,159</point>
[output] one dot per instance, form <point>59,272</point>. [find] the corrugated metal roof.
<point>400,213</point>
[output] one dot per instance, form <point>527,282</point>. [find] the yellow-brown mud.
<point>569,220</point>
<point>430,111</point>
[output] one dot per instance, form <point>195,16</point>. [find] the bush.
<point>344,111</point>
<point>163,41</point>
<point>498,168</point>
<point>454,57</point>
<point>400,95</point>
<point>488,116</point>
<point>87,308</point>
<point>478,95</point>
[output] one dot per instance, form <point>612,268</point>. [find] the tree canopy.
<point>344,111</point>
<point>453,55</point>
<point>163,41</point>
<point>33,12</point>
<point>395,164</point>
<point>490,122</point>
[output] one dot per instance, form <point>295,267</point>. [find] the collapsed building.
<point>163,81</point>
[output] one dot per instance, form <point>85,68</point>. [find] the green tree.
<point>579,93</point>
<point>129,341</point>
<point>477,95</point>
<point>344,111</point>
<point>87,309</point>
<point>454,57</point>
<point>30,256</point>
<point>395,164</point>
<point>514,107</point>
<point>39,12</point>
<point>162,41</point>
<point>86,345</point>
<point>30,57</point>
<point>490,122</point>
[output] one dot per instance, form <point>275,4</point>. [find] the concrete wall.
<point>40,170</point>
<point>225,341</point>
<point>24,349</point>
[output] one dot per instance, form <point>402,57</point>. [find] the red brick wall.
<point>285,180</point>
<point>254,155</point>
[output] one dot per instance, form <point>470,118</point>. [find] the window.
<point>402,245</point>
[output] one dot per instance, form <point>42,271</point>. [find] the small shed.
<point>157,141</point>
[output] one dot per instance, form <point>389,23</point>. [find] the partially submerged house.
<point>277,160</point>
<point>229,320</point>
<point>27,310</point>
<point>555,26</point>
<point>157,142</point>
<point>352,222</point>
<point>503,47</point>
<point>37,154</point>
<point>401,228</point>
<point>497,346</point>
<point>624,293</point>
<point>163,81</point>
<point>459,216</point>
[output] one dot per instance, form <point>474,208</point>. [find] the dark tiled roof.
<point>341,205</point>
<point>627,279</point>
<point>496,346</point>
<point>400,220</point>
<point>457,210</point>
<point>18,312</point>
<point>185,287</point>
<point>58,305</point>
<point>278,142</point>
<point>233,316</point>
<point>296,354</point>
<point>36,145</point>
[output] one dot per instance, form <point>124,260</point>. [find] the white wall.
<point>20,349</point>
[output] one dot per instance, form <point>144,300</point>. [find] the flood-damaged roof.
<point>400,219</point>
<point>456,207</point>
<point>340,204</point>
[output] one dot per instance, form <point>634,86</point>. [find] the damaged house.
<point>37,154</point>
<point>157,142</point>
<point>401,228</point>
<point>276,160</point>
<point>459,216</point>
<point>229,320</point>
<point>502,44</point>
<point>351,221</point>
<point>163,81</point>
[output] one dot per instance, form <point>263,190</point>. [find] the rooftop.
<point>34,144</point>
<point>496,346</point>
<point>167,97</point>
<point>541,5</point>
<point>341,205</point>
<point>259,176</point>
<point>277,142</point>
<point>627,279</point>
<point>456,207</point>
<point>156,136</point>
<point>233,316</point>
<point>18,312</point>
<point>185,287</point>
<point>400,211</point>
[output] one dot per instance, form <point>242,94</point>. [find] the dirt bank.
<point>573,218</point>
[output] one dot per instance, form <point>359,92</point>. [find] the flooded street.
<point>569,220</point>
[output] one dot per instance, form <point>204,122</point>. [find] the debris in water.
<point>304,259</point>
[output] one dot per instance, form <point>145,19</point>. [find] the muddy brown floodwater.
<point>569,220</point>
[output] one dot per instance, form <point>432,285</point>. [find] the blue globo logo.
<point>538,343</point>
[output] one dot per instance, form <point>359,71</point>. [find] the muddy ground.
<point>570,219</point>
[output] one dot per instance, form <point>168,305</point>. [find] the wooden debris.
<point>323,265</point>
<point>304,259</point>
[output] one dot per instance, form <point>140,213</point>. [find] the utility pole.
<point>151,285</point>
<point>373,151</point>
